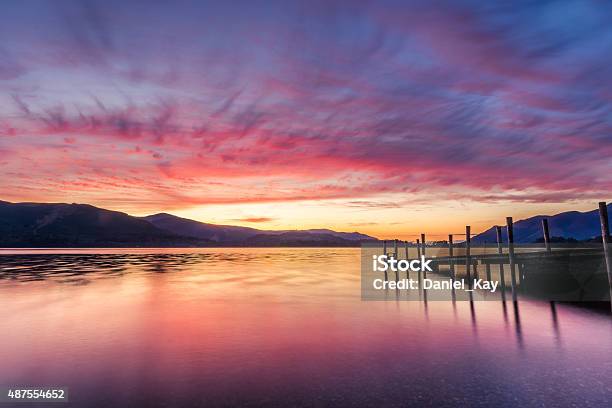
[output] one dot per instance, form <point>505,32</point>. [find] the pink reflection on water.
<point>229,326</point>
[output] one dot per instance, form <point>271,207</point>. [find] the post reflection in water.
<point>517,324</point>
<point>555,322</point>
<point>473,314</point>
<point>279,327</point>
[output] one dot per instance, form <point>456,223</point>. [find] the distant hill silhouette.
<point>79,225</point>
<point>580,226</point>
<point>201,230</point>
<point>37,225</point>
<point>233,235</point>
<point>82,225</point>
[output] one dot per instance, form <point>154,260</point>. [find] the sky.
<point>388,118</point>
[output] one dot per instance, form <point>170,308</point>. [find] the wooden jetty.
<point>560,273</point>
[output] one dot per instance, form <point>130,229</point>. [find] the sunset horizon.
<point>401,231</point>
<point>350,121</point>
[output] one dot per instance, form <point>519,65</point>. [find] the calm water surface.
<point>279,327</point>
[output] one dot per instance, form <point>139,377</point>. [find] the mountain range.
<point>246,235</point>
<point>82,225</point>
<point>578,225</point>
<point>35,225</point>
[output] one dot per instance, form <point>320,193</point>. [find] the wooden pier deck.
<point>572,274</point>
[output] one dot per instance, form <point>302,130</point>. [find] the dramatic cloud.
<point>152,106</point>
<point>254,219</point>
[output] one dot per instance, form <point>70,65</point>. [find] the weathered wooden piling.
<point>468,260</point>
<point>423,252</point>
<point>423,243</point>
<point>500,251</point>
<point>605,240</point>
<point>451,265</point>
<point>396,258</point>
<point>498,230</point>
<point>546,234</point>
<point>418,245</point>
<point>385,253</point>
<point>510,232</point>
<point>407,258</point>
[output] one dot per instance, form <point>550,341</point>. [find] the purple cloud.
<point>323,100</point>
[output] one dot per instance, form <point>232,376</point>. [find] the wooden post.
<point>498,229</point>
<point>396,260</point>
<point>385,253</point>
<point>423,252</point>
<point>423,243</point>
<point>510,232</point>
<point>451,262</point>
<point>605,240</point>
<point>451,267</point>
<point>500,251</point>
<point>418,245</point>
<point>407,258</point>
<point>468,260</point>
<point>546,234</point>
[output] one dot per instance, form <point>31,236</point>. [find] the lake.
<point>279,327</point>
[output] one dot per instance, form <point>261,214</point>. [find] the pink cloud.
<point>351,105</point>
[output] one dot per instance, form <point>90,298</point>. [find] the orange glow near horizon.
<point>379,217</point>
<point>403,223</point>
